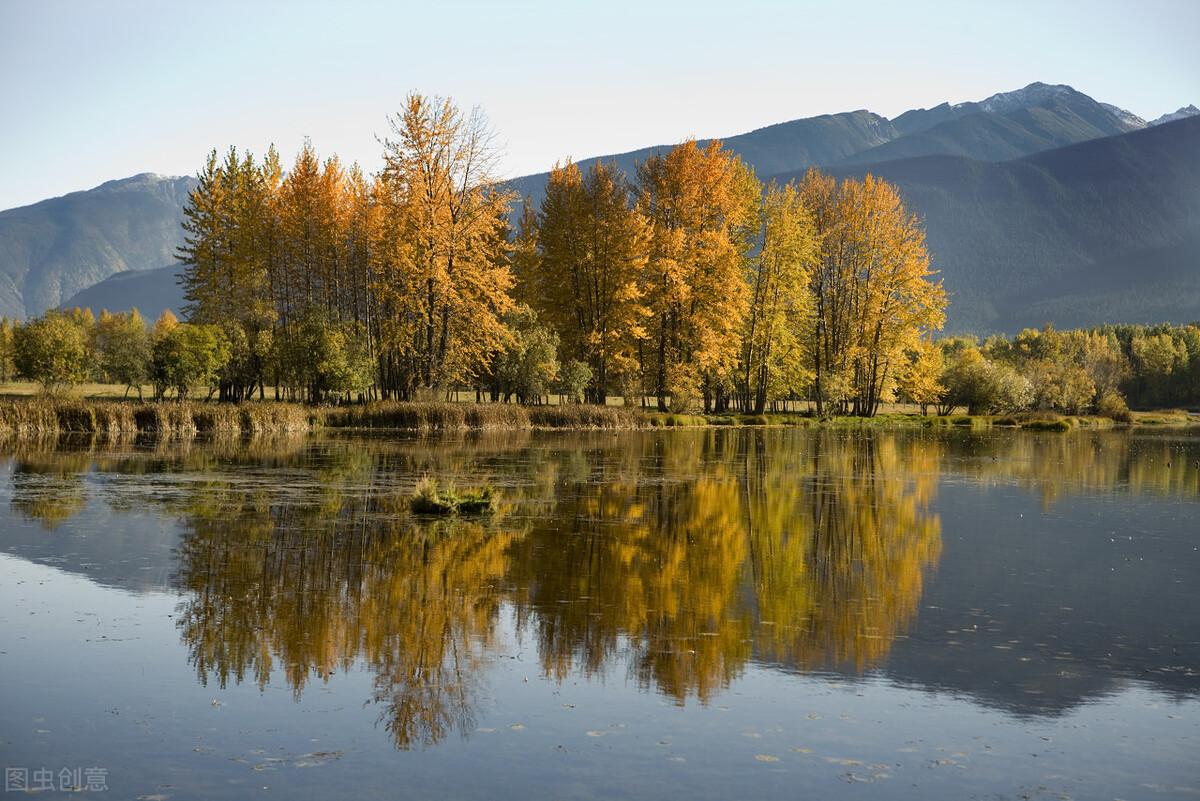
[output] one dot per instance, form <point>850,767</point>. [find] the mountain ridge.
<point>56,247</point>
<point>52,252</point>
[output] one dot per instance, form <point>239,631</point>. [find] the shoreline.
<point>37,417</point>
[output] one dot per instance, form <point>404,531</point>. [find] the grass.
<point>1163,417</point>
<point>450,416</point>
<point>35,416</point>
<point>1050,422</point>
<point>430,498</point>
<point>47,415</point>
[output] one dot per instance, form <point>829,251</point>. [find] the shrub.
<point>1111,404</point>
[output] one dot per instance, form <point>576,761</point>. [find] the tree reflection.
<point>308,589</point>
<point>726,551</point>
<point>680,557</point>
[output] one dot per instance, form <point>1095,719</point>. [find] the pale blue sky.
<point>96,90</point>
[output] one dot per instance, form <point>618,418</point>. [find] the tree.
<point>983,386</point>
<point>701,204</point>
<point>525,258</point>
<point>873,292</point>
<point>123,347</point>
<point>8,370</point>
<point>51,350</point>
<point>186,355</point>
<point>527,366</point>
<point>920,376</point>
<point>592,256</point>
<point>573,379</point>
<point>773,352</point>
<point>230,243</point>
<point>1060,385</point>
<point>328,357</point>
<point>443,277</point>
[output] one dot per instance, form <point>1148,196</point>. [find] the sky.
<point>91,91</point>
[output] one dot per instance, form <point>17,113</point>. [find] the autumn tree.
<point>593,251</point>
<point>7,370</point>
<point>919,379</point>
<point>873,292</point>
<point>701,204</point>
<point>230,233</point>
<point>772,359</point>
<point>443,277</point>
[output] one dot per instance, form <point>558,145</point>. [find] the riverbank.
<point>39,416</point>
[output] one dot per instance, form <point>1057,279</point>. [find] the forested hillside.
<point>55,248</point>
<point>1102,231</point>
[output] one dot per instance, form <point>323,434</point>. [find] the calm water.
<point>705,614</point>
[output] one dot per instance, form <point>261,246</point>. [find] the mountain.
<point>55,248</point>
<point>1101,231</point>
<point>1040,205</point>
<point>794,145</point>
<point>1039,117</point>
<point>1036,94</point>
<point>151,292</point>
<point>1179,114</point>
<point>1007,125</point>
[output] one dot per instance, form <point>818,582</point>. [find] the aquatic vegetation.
<point>1046,421</point>
<point>430,498</point>
<point>585,416</point>
<point>25,417</point>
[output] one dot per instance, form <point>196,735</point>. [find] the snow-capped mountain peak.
<point>1179,114</point>
<point>1130,119</point>
<point>1031,95</point>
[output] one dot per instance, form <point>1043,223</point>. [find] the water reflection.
<point>683,557</point>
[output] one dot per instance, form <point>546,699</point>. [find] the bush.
<point>1111,404</point>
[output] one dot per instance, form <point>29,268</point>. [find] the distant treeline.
<point>1099,370</point>
<point>689,283</point>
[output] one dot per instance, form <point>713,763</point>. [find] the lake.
<point>712,613</point>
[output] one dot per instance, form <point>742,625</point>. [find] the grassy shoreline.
<point>39,416</point>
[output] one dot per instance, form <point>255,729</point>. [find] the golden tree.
<point>593,253</point>
<point>772,352</point>
<point>873,292</point>
<point>441,276</point>
<point>701,205</point>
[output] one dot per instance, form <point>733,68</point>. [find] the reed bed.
<point>33,417</point>
<point>47,416</point>
<point>432,416</point>
<point>587,417</point>
<point>401,415</point>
